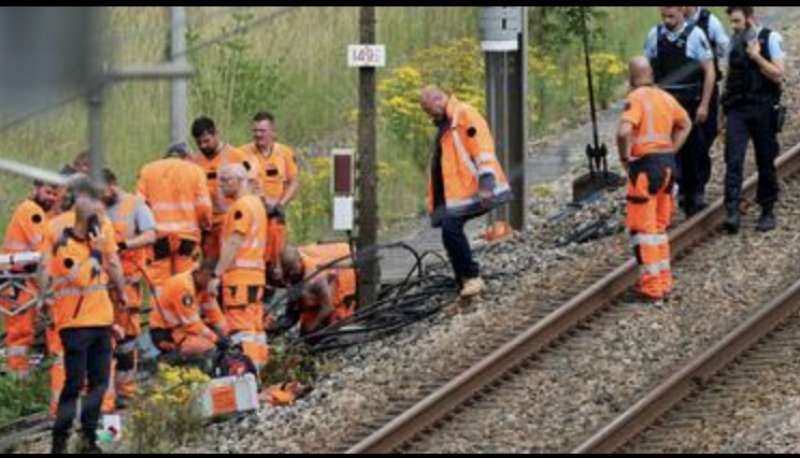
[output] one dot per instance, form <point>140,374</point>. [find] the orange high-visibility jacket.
<point>27,230</point>
<point>229,155</point>
<point>247,217</point>
<point>342,280</point>
<point>274,168</point>
<point>653,113</point>
<point>180,308</point>
<point>177,192</point>
<point>79,281</point>
<point>468,158</point>
<point>123,220</point>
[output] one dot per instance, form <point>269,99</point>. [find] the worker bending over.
<point>322,298</point>
<point>652,128</point>
<point>194,320</point>
<point>176,191</point>
<point>240,269</point>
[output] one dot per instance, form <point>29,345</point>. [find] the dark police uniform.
<point>750,103</point>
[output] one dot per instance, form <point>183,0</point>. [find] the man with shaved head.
<point>240,269</point>
<point>466,179</point>
<point>653,127</point>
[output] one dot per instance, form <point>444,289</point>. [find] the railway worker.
<point>214,154</point>
<point>719,42</point>
<point>323,298</point>
<point>275,162</point>
<point>240,269</point>
<point>196,325</point>
<point>751,104</point>
<point>135,232</point>
<point>466,179</point>
<point>652,128</point>
<point>82,259</point>
<point>26,232</point>
<point>683,63</point>
<point>55,227</point>
<point>176,191</point>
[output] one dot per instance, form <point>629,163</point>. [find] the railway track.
<point>409,422</point>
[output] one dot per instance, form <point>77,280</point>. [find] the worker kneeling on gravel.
<point>323,298</point>
<point>653,127</point>
<point>195,323</point>
<point>466,179</point>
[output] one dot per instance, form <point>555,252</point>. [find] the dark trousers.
<point>689,162</point>
<point>458,250</point>
<point>756,121</point>
<point>87,356</point>
<point>709,134</point>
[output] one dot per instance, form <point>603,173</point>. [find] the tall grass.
<point>315,111</point>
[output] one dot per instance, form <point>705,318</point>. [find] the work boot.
<point>59,445</point>
<point>732,219</point>
<point>472,287</point>
<point>89,445</point>
<point>767,221</point>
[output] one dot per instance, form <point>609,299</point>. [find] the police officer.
<point>683,64</point>
<point>751,106</point>
<point>719,42</point>
<point>466,179</point>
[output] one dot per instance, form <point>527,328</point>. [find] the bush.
<point>19,398</point>
<point>166,414</point>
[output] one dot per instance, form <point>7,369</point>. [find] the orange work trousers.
<point>244,314</point>
<point>19,332</point>
<point>126,355</point>
<point>649,213</point>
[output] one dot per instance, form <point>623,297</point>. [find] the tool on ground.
<point>599,177</point>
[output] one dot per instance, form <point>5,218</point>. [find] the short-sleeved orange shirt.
<point>275,168</point>
<point>229,155</point>
<point>247,217</point>
<point>653,114</point>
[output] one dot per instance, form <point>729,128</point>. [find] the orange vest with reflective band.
<point>229,155</point>
<point>79,284</point>
<point>341,279</point>
<point>123,220</point>
<point>653,113</point>
<point>468,153</point>
<point>274,168</point>
<point>180,307</point>
<point>27,229</point>
<point>248,217</point>
<point>177,193</point>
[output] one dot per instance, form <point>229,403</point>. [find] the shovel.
<point>598,177</point>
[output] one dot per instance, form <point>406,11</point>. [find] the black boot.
<point>767,221</point>
<point>59,445</point>
<point>732,219</point>
<point>89,446</point>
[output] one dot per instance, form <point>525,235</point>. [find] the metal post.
<point>369,280</point>
<point>178,126</point>
<point>504,39</point>
<point>95,102</point>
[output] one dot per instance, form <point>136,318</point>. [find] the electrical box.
<point>342,188</point>
<point>500,27</point>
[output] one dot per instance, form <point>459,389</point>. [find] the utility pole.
<point>178,127</point>
<point>369,278</point>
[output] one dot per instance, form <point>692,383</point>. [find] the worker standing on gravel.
<point>682,61</point>
<point>466,179</point>
<point>240,270</point>
<point>214,154</point>
<point>82,262</point>
<point>26,232</point>
<point>751,104</point>
<point>135,231</point>
<point>719,42</point>
<point>652,128</point>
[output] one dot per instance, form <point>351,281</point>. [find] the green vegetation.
<point>19,398</point>
<point>295,66</point>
